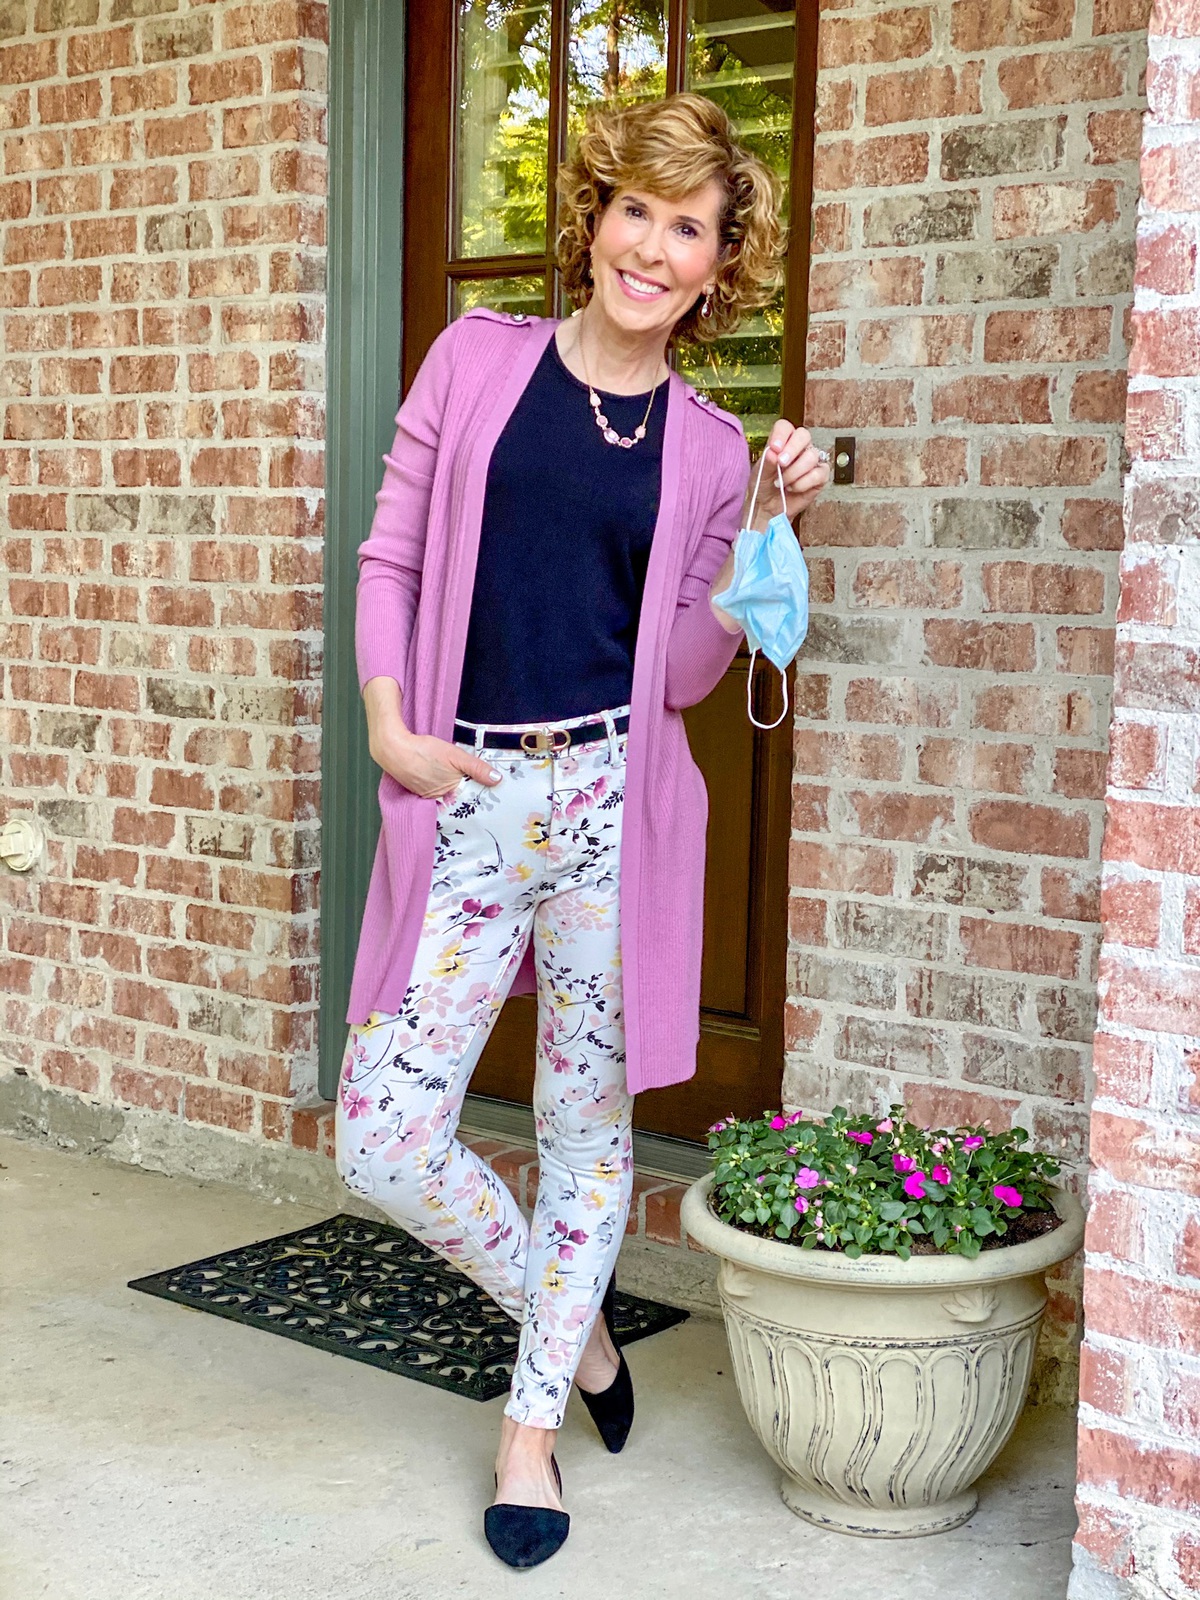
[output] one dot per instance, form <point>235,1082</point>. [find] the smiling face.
<point>653,258</point>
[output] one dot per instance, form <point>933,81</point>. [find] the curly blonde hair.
<point>672,147</point>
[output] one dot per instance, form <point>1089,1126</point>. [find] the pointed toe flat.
<point>525,1536</point>
<point>612,1409</point>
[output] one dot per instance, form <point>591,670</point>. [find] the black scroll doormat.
<point>369,1291</point>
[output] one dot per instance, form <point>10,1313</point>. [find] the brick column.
<point>162,215</point>
<point>1139,1467</point>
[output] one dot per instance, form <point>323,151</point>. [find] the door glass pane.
<point>526,293</point>
<point>503,123</point>
<point>740,53</point>
<point>616,52</point>
<point>742,372</point>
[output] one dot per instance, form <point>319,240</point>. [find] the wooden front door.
<point>493,90</point>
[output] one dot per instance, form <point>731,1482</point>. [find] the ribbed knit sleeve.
<point>391,557</point>
<point>699,649</point>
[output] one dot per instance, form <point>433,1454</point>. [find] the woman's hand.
<point>805,474</point>
<point>426,765</point>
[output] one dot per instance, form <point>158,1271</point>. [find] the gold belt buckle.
<point>546,739</point>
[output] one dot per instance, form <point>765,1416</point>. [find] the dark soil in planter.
<point>1029,1225</point>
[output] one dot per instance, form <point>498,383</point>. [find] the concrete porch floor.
<point>152,1452</point>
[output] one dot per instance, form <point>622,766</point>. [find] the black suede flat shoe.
<point>525,1536</point>
<point>612,1408</point>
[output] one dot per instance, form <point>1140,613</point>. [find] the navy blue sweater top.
<point>567,524</point>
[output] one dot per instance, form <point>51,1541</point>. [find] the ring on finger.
<point>823,456</point>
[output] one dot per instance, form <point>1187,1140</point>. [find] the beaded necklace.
<point>606,428</point>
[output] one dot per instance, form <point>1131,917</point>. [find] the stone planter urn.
<point>883,1388</point>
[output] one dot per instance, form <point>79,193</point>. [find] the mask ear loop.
<point>762,461</point>
<point>758,480</point>
<point>750,674</point>
<point>750,700</point>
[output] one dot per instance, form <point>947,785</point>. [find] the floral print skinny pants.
<point>538,852</point>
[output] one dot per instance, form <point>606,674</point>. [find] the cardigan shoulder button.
<point>490,314</point>
<point>712,409</point>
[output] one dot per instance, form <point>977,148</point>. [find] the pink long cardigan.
<point>416,577</point>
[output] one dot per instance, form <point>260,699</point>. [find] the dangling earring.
<point>706,308</point>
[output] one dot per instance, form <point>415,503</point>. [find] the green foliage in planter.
<point>870,1185</point>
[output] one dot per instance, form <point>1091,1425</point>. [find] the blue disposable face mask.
<point>768,594</point>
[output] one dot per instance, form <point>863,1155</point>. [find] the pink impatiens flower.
<point>1007,1195</point>
<point>778,1122</point>
<point>903,1163</point>
<point>914,1185</point>
<point>859,1138</point>
<point>807,1178</point>
<point>801,1204</point>
<point>942,1175</point>
<point>885,1126</point>
<point>973,1143</point>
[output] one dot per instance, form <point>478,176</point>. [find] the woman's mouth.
<point>640,288</point>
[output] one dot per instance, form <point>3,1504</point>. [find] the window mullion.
<point>676,22</point>
<point>556,135</point>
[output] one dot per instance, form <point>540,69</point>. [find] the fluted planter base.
<point>877,1522</point>
<point>882,1388</point>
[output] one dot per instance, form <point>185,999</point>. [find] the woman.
<point>534,612</point>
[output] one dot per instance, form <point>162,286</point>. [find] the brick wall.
<point>1139,1493</point>
<point>162,383</point>
<point>976,185</point>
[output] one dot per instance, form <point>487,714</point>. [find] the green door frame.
<point>366,163</point>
